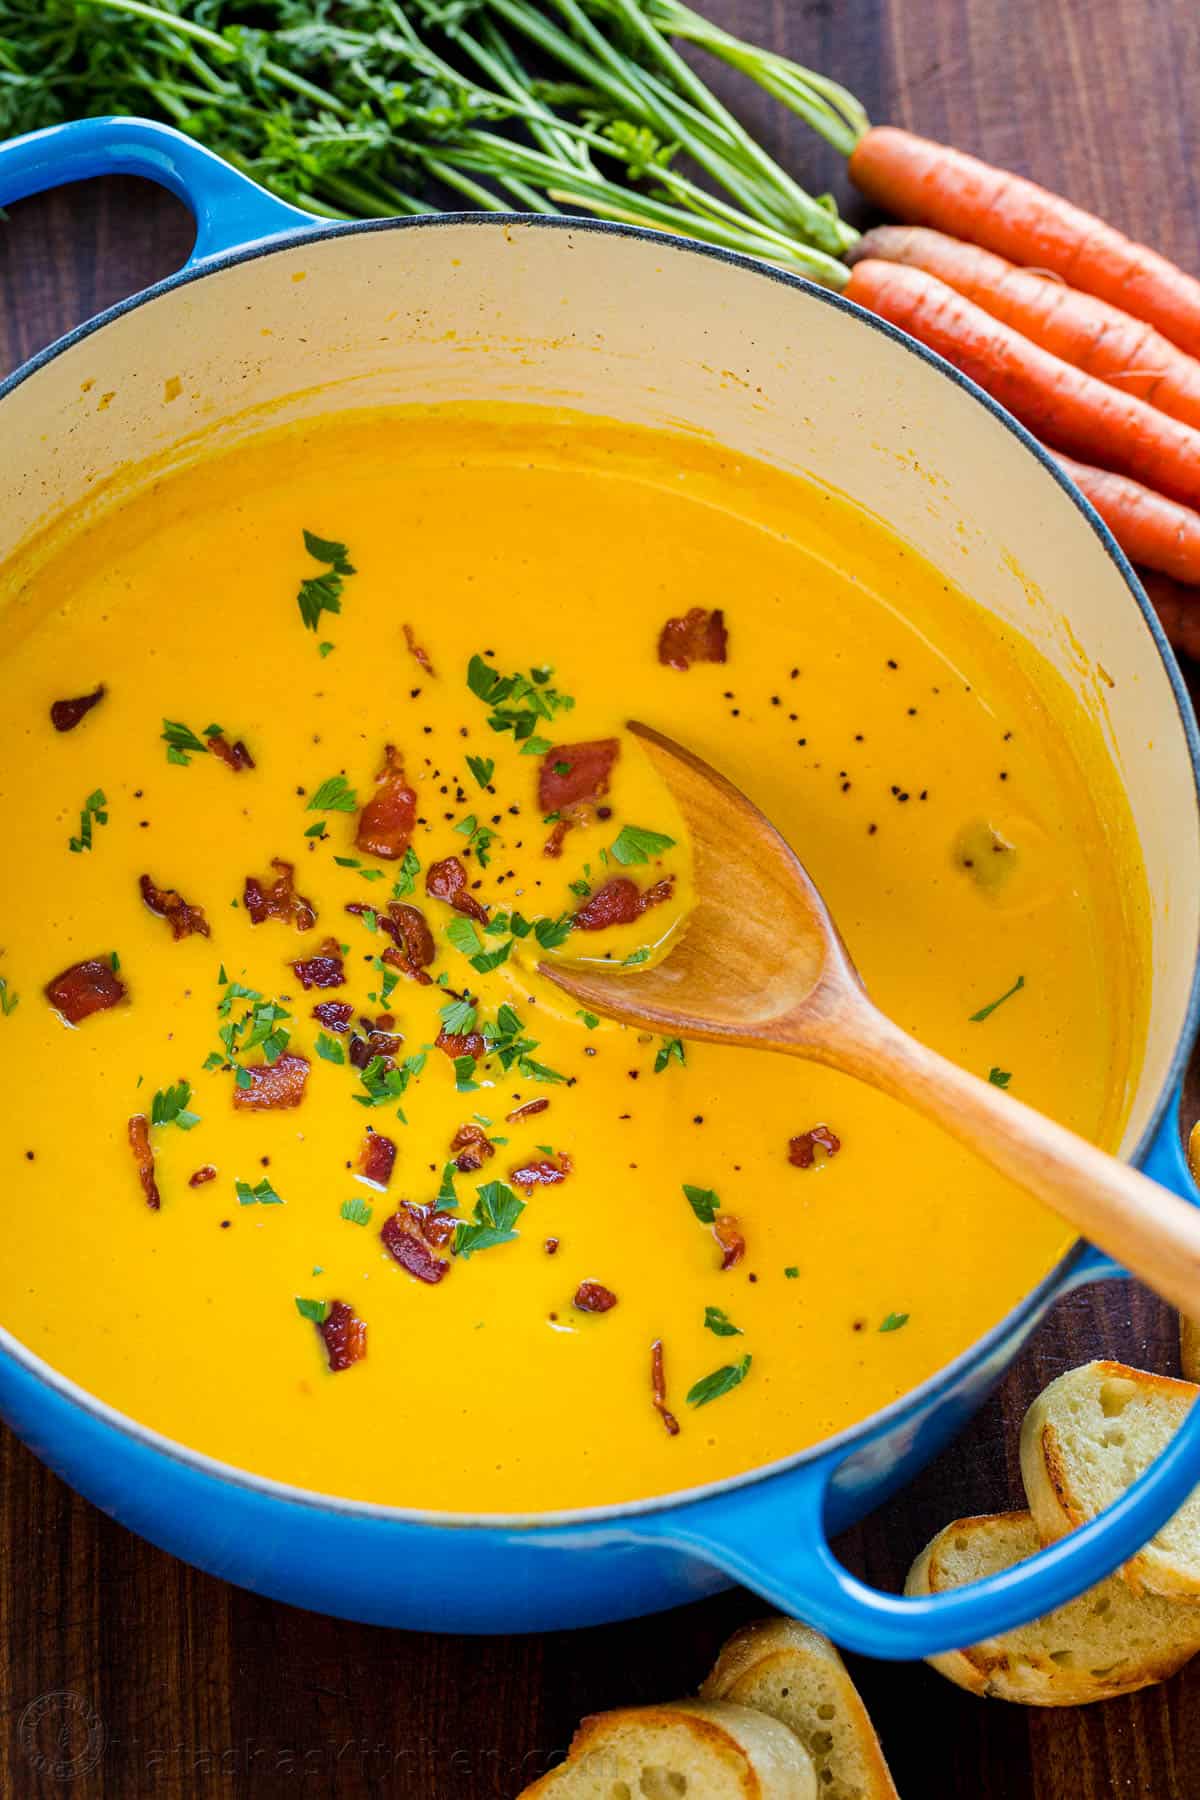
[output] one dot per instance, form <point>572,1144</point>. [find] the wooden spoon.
<point>761,963</point>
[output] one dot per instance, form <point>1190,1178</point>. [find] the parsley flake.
<point>93,809</point>
<point>482,768</point>
<point>635,845</point>
<point>703,1202</point>
<point>262,1194</point>
<point>719,1323</point>
<point>323,593</point>
<point>894,1321</point>
<point>9,1001</point>
<point>986,1011</point>
<point>334,795</point>
<point>1000,1077</point>
<point>672,1051</point>
<point>721,1381</point>
<point>495,1213</point>
<point>169,1107</point>
<point>356,1211</point>
<point>316,1310</point>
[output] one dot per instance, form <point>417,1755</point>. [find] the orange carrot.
<point>928,184</point>
<point>1071,410</point>
<point>1098,338</point>
<point>1151,530</point>
<point>1178,609</point>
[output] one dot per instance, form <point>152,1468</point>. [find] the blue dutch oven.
<point>281,314</point>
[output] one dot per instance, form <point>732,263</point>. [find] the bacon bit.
<point>619,902</point>
<point>274,1085</point>
<point>437,1228</point>
<point>66,714</point>
<point>585,778</point>
<point>658,1389</point>
<point>206,1174</point>
<point>551,1246</point>
<point>344,1336</point>
<point>473,1146</point>
<point>543,1171</point>
<point>728,1234</point>
<point>169,904</point>
<point>385,824</point>
<point>593,1297</point>
<point>143,1156</point>
<point>455,1044</point>
<point>699,636</point>
<point>802,1150</point>
<point>574,790</point>
<point>402,1239</point>
<point>447,880</point>
<point>363,1050</point>
<point>527,1111</point>
<point>85,988</point>
<point>376,1159</point>
<point>325,969</point>
<point>415,650</point>
<point>412,938</point>
<point>236,754</point>
<point>334,1015</point>
<point>279,900</point>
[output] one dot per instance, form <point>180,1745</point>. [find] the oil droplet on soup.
<point>427,1233</point>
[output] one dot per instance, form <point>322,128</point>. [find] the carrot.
<point>928,184</point>
<point>1072,411</point>
<point>1151,530</point>
<point>1178,609</point>
<point>1098,338</point>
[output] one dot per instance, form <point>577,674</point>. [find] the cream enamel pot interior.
<point>276,315</point>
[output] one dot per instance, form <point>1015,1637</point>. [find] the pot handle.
<point>230,210</point>
<point>771,1535</point>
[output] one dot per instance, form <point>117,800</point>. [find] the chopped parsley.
<point>672,1050</point>
<point>635,845</point>
<point>406,878</point>
<point>721,1381</point>
<point>323,593</point>
<point>703,1202</point>
<point>719,1323</point>
<point>261,1026</point>
<point>94,808</point>
<point>894,1321</point>
<point>506,1040</point>
<point>170,1107</point>
<point>550,933</point>
<point>495,1213</point>
<point>482,768</point>
<point>262,1194</point>
<point>325,648</point>
<point>356,1211</point>
<point>383,1084</point>
<point>328,1048</point>
<point>1000,1077</point>
<point>447,1199</point>
<point>334,795</point>
<point>464,1075</point>
<point>8,1001</point>
<point>986,1011</point>
<point>182,742</point>
<point>316,1310</point>
<point>463,935</point>
<point>480,838</point>
<point>458,1018</point>
<point>791,1273</point>
<point>589,1019</point>
<point>635,957</point>
<point>518,702</point>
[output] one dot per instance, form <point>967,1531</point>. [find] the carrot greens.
<point>404,106</point>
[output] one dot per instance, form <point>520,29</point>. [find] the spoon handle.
<point>1150,1231</point>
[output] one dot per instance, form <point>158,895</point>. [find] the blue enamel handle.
<point>230,210</point>
<point>772,1537</point>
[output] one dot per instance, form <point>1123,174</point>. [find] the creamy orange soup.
<point>486,592</point>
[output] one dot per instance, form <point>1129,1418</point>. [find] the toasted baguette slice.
<point>1189,1347</point>
<point>712,1752</point>
<point>793,1673</point>
<point>1109,1641</point>
<point>1085,1439</point>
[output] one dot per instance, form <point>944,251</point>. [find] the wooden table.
<point>206,1690</point>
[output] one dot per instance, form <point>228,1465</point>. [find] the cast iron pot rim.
<point>835,1449</point>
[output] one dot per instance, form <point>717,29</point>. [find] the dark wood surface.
<point>205,1690</point>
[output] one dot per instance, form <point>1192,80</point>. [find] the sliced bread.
<point>793,1673</point>
<point>1189,1347</point>
<point>1108,1641</point>
<point>1086,1438</point>
<point>706,1752</point>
